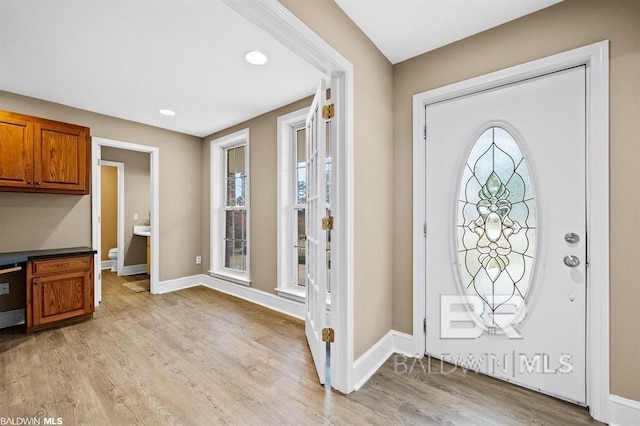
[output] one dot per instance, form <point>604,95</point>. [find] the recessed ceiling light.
<point>256,58</point>
<point>167,112</point>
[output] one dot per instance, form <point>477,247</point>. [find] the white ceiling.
<point>130,58</point>
<point>402,29</point>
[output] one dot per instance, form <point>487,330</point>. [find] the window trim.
<point>218,183</point>
<point>286,201</point>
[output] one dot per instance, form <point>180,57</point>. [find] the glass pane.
<point>300,236</point>
<point>239,187</point>
<point>301,146</point>
<point>496,225</point>
<point>231,162</point>
<point>240,169</point>
<point>301,193</point>
<point>301,267</point>
<point>235,255</point>
<point>231,192</point>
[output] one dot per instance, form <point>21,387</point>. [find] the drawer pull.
<point>62,265</point>
<point>36,282</point>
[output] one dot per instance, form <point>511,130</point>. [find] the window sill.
<point>229,276</point>
<point>292,293</point>
<point>298,295</point>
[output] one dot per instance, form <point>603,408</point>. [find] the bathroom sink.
<point>143,231</point>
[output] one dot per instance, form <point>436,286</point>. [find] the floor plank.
<point>198,356</point>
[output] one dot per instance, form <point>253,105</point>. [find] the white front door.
<point>316,254</point>
<point>505,233</point>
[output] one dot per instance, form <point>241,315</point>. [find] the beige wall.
<point>41,221</point>
<point>137,200</point>
<point>108,209</point>
<point>568,25</point>
<point>263,180</point>
<point>373,169</point>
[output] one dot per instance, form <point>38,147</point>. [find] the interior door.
<point>506,243</point>
<point>316,259</point>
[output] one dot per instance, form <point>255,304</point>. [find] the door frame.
<point>96,144</point>
<point>288,29</point>
<point>596,59</point>
<point>120,219</point>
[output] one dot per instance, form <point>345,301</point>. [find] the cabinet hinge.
<point>328,335</point>
<point>327,223</point>
<point>328,111</point>
<point>424,325</point>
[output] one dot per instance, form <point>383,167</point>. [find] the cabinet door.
<point>16,152</point>
<point>61,153</point>
<point>57,297</point>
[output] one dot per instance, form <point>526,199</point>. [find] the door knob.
<point>572,238</point>
<point>571,261</point>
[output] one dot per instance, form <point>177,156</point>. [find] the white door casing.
<point>316,253</point>
<point>596,59</point>
<point>522,230</point>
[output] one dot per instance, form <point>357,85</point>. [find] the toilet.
<point>113,255</point>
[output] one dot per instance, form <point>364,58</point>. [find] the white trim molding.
<point>134,269</point>
<point>271,301</point>
<point>284,26</point>
<point>623,411</point>
<point>218,186</point>
<point>596,59</point>
<point>106,264</point>
<point>394,342</point>
<point>286,199</point>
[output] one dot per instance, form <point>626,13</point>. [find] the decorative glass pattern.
<point>496,225</point>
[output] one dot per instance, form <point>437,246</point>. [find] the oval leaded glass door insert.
<point>496,227</point>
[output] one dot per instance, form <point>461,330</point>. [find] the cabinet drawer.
<point>60,265</point>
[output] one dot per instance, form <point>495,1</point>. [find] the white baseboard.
<point>134,269</point>
<point>106,264</point>
<point>369,362</point>
<point>259,297</point>
<point>403,344</point>
<point>262,298</point>
<point>180,283</point>
<point>623,411</point>
<point>11,318</point>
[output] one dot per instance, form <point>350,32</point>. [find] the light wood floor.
<point>199,357</point>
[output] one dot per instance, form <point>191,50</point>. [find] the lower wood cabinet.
<point>59,290</point>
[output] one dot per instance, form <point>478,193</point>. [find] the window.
<point>292,198</point>
<point>230,252</point>
<point>496,225</point>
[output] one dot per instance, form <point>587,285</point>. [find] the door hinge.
<point>99,162</point>
<point>99,276</point>
<point>424,228</point>
<point>424,325</point>
<point>328,111</point>
<point>328,335</point>
<point>98,219</point>
<point>424,133</point>
<point>327,223</point>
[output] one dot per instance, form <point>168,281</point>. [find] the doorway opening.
<point>139,237</point>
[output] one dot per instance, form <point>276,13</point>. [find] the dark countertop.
<point>24,256</point>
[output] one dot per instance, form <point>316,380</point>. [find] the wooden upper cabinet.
<point>38,155</point>
<point>16,152</point>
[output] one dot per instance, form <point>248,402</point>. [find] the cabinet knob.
<point>36,282</point>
